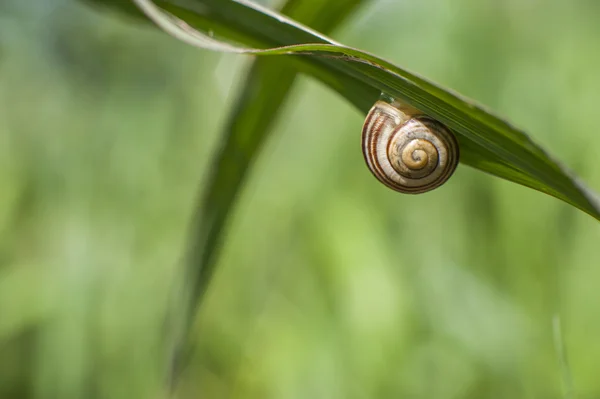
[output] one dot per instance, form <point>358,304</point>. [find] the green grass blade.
<point>264,93</point>
<point>267,86</point>
<point>487,142</point>
<point>266,89</point>
<point>247,129</point>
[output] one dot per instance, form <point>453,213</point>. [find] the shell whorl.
<point>406,150</point>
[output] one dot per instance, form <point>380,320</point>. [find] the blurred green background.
<point>329,285</point>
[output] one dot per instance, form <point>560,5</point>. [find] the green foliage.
<point>329,284</point>
<point>487,142</point>
<point>266,89</point>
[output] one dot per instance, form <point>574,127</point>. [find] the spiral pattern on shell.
<point>406,150</point>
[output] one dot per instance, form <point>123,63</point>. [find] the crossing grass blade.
<point>264,93</point>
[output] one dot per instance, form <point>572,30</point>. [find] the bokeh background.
<point>328,285</point>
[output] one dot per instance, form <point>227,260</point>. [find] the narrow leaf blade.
<point>487,142</point>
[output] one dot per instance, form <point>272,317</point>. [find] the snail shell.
<point>407,151</point>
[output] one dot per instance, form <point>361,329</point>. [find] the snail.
<point>406,150</point>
